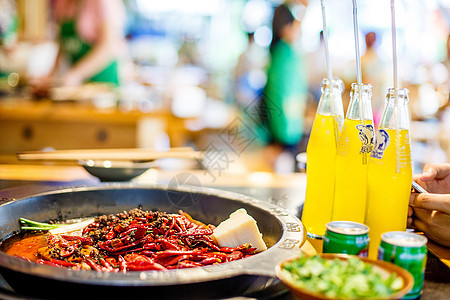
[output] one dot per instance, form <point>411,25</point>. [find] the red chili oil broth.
<point>24,244</point>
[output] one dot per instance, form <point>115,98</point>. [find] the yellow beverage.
<point>321,154</point>
<point>351,171</point>
<point>388,191</point>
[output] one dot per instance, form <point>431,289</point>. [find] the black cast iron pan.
<point>251,276</point>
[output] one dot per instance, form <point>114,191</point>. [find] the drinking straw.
<point>394,44</point>
<point>325,40</point>
<point>329,71</point>
<point>396,114</point>
<point>358,68</point>
<point>358,56</point>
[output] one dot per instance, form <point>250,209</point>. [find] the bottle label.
<point>366,136</point>
<point>381,143</point>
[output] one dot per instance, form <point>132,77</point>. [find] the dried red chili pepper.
<point>140,232</point>
<point>93,265</point>
<point>110,235</point>
<point>56,263</point>
<point>210,261</point>
<point>107,265</point>
<point>155,242</point>
<point>62,262</point>
<point>235,255</point>
<point>166,245</point>
<point>187,264</point>
<point>122,263</point>
<point>221,256</point>
<point>144,266</point>
<point>67,251</point>
<point>112,261</point>
<point>209,243</point>
<point>197,231</point>
<point>149,246</point>
<point>169,261</point>
<point>128,251</point>
<point>167,253</point>
<point>120,228</point>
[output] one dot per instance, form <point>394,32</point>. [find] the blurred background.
<point>191,73</point>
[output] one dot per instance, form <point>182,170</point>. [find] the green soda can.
<point>346,237</point>
<point>409,251</point>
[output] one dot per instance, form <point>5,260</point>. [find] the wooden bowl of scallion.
<point>341,276</point>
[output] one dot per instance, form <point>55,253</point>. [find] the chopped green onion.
<point>343,279</point>
<point>54,228</point>
<point>34,225</point>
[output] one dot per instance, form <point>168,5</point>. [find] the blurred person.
<point>8,24</point>
<point>285,93</point>
<point>188,53</point>
<point>8,33</point>
<point>430,212</point>
<point>91,40</point>
<point>446,62</point>
<point>374,71</point>
<point>249,74</point>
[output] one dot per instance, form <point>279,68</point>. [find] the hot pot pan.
<point>252,276</point>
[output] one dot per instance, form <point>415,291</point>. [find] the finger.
<point>412,198</point>
<point>433,219</point>
<point>440,220</point>
<point>410,211</point>
<point>416,177</point>
<point>428,173</point>
<point>409,222</point>
<point>419,225</point>
<point>423,214</point>
<point>435,171</point>
<point>440,202</point>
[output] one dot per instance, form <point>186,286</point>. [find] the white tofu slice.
<point>238,229</point>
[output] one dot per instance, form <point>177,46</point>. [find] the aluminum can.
<point>346,237</point>
<point>409,251</point>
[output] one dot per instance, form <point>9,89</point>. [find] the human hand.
<point>435,178</point>
<point>71,79</point>
<point>39,86</point>
<point>430,213</point>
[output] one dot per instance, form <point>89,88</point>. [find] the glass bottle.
<point>354,147</point>
<point>321,156</point>
<point>389,174</point>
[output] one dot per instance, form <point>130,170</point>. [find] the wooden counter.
<point>35,125</point>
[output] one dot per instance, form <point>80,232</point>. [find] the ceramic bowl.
<point>381,266</point>
<point>106,170</point>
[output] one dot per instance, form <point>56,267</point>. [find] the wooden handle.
<point>110,154</point>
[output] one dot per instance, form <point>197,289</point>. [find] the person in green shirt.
<point>285,93</point>
<point>91,39</point>
<point>8,34</point>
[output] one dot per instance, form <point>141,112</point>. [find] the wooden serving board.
<point>128,154</point>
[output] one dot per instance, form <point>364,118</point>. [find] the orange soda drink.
<point>321,155</point>
<point>354,148</point>
<point>389,174</point>
<point>351,174</point>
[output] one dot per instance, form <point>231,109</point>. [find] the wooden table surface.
<point>32,125</point>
